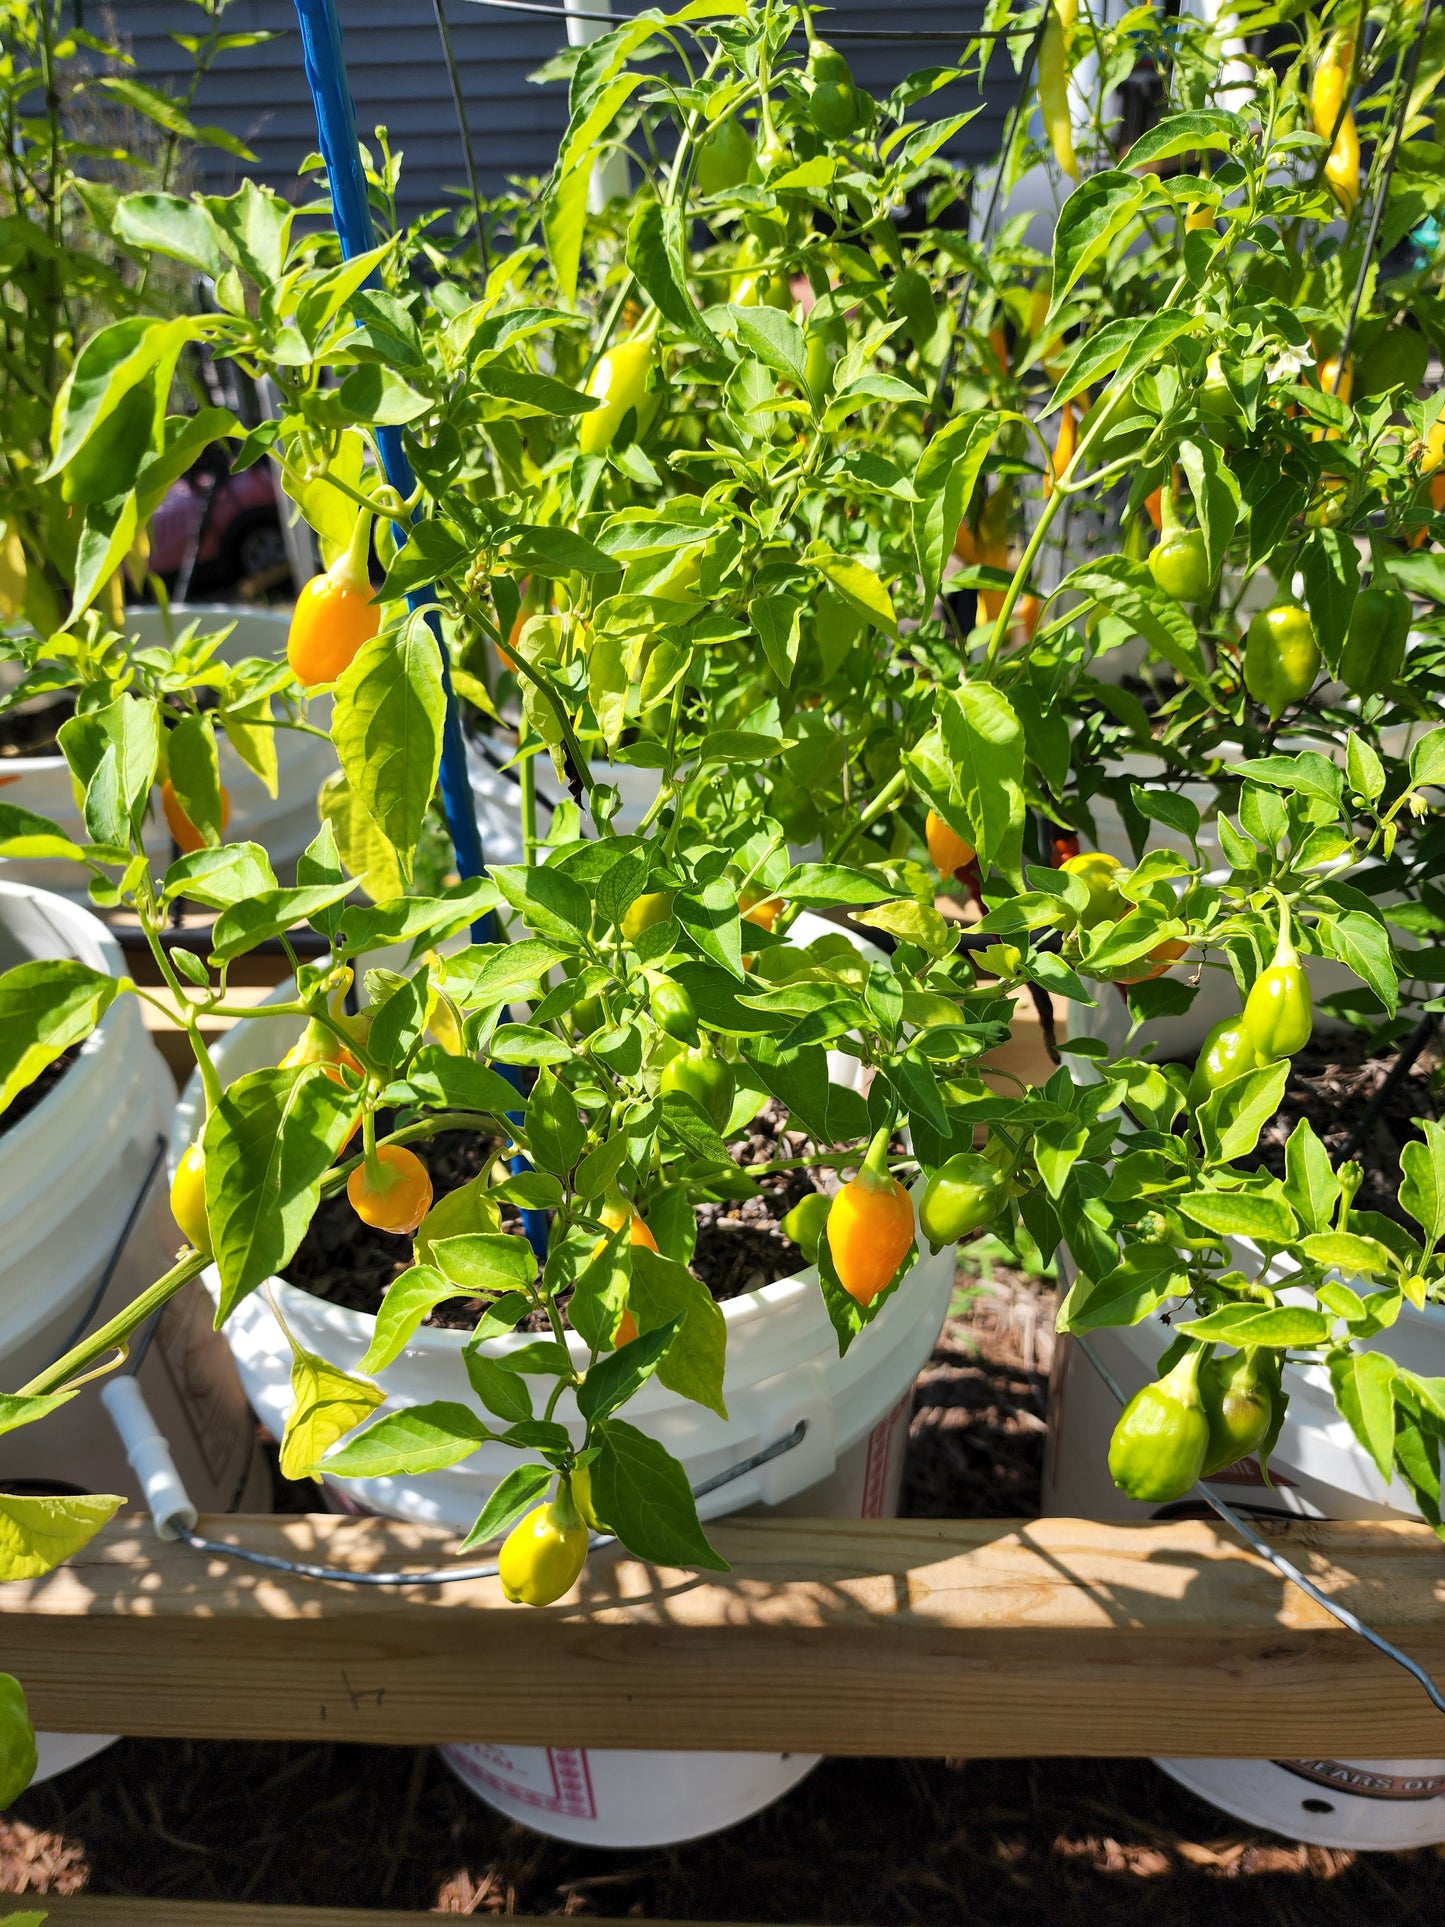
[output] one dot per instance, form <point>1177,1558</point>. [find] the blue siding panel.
<point>399,80</point>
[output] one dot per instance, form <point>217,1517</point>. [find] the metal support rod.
<point>464,130</point>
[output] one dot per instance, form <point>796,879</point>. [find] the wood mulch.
<point>1011,1843</point>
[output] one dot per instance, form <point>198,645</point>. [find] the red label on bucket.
<point>1366,1781</point>
<point>563,1786</point>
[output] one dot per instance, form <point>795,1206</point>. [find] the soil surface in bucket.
<point>34,1093</point>
<point>740,1242</point>
<point>890,1843</point>
<point>1333,1082</point>
<point>30,729</point>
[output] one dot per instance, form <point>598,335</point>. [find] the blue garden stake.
<point>336,130</point>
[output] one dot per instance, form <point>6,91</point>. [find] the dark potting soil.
<point>740,1243</point>
<point>27,1099</point>
<point>30,729</point>
<point>1331,1082</point>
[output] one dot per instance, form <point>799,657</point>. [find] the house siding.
<point>399,80</point>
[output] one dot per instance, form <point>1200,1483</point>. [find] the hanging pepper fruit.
<point>805,1222</point>
<point>673,1010</point>
<point>1238,1405</point>
<point>188,838</point>
<point>1065,442</point>
<point>1327,97</point>
<point>619,383</point>
<point>644,912</point>
<point>188,1199</point>
<point>1053,58</point>
<point>835,107</point>
<point>950,855</point>
<point>1277,1014</point>
<point>870,1226</point>
<point>1226,1053</point>
<point>724,158</point>
<point>543,1556</point>
<point>1179,563</point>
<point>615,1213</point>
<point>334,614</point>
<point>759,286</point>
<point>1281,657</point>
<point>390,1189</point>
<point>1157,1452</point>
<point>1098,871</point>
<point>964,1192</point>
<point>1374,651</point>
<point>704,1077</point>
<point>759,910</point>
<point>1216,398</point>
<point>582,1498</point>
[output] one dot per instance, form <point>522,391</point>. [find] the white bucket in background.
<point>283,825</point>
<point>496,787</point>
<point>782,1366</point>
<point>74,1200</point>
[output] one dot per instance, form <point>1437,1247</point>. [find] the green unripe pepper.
<point>964,1192</point>
<point>835,107</point>
<point>1277,1013</point>
<point>805,1222</point>
<point>1157,1452</point>
<point>1238,1405</point>
<point>1216,397</point>
<point>1374,651</point>
<point>1281,657</point>
<point>588,1014</point>
<point>724,159</point>
<point>1179,563</point>
<point>672,1010</point>
<point>704,1077</point>
<point>1226,1053</point>
<point>644,912</point>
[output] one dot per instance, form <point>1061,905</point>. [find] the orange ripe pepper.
<point>390,1190</point>
<point>187,837</point>
<point>334,615</point>
<point>950,855</point>
<point>870,1226</point>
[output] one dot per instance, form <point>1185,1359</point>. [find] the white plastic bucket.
<point>74,1200</point>
<point>782,1366</point>
<point>283,825</point>
<point>1318,1470</point>
<point>496,786</point>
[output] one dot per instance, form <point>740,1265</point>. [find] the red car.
<point>238,522</point>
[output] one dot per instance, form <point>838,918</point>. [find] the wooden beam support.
<point>905,1637</point>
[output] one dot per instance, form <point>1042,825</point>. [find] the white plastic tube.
<point>150,1457</point>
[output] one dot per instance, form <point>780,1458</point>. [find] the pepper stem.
<point>876,1162</point>
<point>350,567</point>
<point>1285,954</point>
<point>564,1506</point>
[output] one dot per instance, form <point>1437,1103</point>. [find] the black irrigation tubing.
<point>1350,1621</point>
<point>1377,213</point>
<point>890,35</point>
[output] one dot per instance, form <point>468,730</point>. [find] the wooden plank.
<point>954,1637</point>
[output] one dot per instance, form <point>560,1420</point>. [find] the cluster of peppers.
<point>1206,1412</point>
